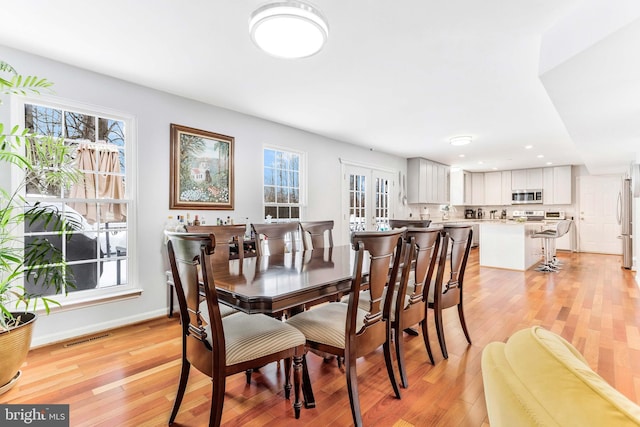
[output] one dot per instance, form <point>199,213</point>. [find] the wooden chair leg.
<point>182,386</point>
<point>352,387</point>
<point>425,337</point>
<point>287,378</point>
<point>387,359</point>
<point>217,399</point>
<point>297,381</point>
<point>440,331</point>
<point>463,323</point>
<point>400,356</point>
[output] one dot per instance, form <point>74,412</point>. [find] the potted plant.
<point>44,161</point>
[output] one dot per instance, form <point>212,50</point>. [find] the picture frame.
<point>201,169</point>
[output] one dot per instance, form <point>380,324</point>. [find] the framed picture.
<point>201,169</point>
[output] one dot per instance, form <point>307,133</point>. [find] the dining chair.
<point>222,346</point>
<point>422,248</point>
<point>275,237</point>
<point>448,293</point>
<point>224,233</point>
<point>348,331</point>
<point>419,223</point>
<point>317,234</point>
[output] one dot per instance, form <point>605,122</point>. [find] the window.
<point>282,184</point>
<point>97,246</point>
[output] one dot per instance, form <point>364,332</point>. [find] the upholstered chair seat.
<point>225,310</point>
<point>325,324</point>
<point>252,336</point>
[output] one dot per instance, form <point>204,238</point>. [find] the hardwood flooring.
<point>129,378</point>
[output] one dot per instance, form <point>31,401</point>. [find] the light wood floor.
<point>129,378</point>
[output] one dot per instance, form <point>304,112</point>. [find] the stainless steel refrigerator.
<point>624,219</point>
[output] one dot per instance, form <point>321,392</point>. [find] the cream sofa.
<point>537,378</point>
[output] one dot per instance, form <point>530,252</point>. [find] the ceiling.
<point>402,77</point>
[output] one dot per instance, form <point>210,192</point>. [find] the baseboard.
<point>42,340</point>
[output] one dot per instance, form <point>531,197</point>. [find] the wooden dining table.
<point>274,283</point>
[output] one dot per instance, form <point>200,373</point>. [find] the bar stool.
<point>550,263</point>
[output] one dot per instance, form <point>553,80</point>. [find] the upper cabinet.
<point>427,181</point>
<point>557,186</point>
<point>477,189</point>
<point>460,189</point>
<point>497,188</point>
<point>526,179</point>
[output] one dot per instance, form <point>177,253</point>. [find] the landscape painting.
<point>201,169</point>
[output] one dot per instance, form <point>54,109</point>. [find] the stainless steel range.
<point>529,215</point>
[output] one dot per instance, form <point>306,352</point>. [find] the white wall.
<point>154,112</point>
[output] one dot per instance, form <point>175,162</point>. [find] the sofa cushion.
<point>548,382</point>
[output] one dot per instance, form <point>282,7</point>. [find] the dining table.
<point>272,284</point>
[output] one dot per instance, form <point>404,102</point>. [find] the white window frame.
<point>98,295</point>
<point>302,178</point>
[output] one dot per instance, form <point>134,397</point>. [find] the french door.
<point>367,198</point>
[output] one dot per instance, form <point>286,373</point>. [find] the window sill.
<point>90,298</point>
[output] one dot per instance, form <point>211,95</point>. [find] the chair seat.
<point>365,300</point>
<point>225,310</point>
<point>326,324</point>
<point>251,336</point>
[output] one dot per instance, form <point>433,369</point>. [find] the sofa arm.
<point>538,377</point>
<point>509,402</point>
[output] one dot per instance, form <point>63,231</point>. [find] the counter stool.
<point>550,263</point>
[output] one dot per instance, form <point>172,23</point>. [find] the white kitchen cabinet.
<point>467,188</point>
<point>427,181</point>
<point>506,188</point>
<point>497,188</point>
<point>493,188</point>
<point>526,179</point>
<point>460,193</point>
<point>477,188</point>
<point>557,189</point>
<point>456,187</point>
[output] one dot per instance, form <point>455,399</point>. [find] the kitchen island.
<point>508,244</point>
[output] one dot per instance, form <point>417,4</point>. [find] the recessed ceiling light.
<point>494,168</point>
<point>460,140</point>
<point>460,155</point>
<point>540,156</point>
<point>480,162</point>
<point>288,29</point>
<point>549,163</point>
<point>528,147</point>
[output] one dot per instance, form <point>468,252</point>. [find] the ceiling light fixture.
<point>460,140</point>
<point>288,29</point>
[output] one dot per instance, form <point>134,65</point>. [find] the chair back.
<point>275,237</point>
<point>418,223</point>
<point>427,243</point>
<point>383,250</point>
<point>456,240</point>
<point>314,232</point>
<point>563,227</point>
<point>224,234</point>
<point>185,259</point>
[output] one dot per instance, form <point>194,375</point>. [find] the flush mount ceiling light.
<point>460,140</point>
<point>288,29</point>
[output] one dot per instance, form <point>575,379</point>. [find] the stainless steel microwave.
<point>522,197</point>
